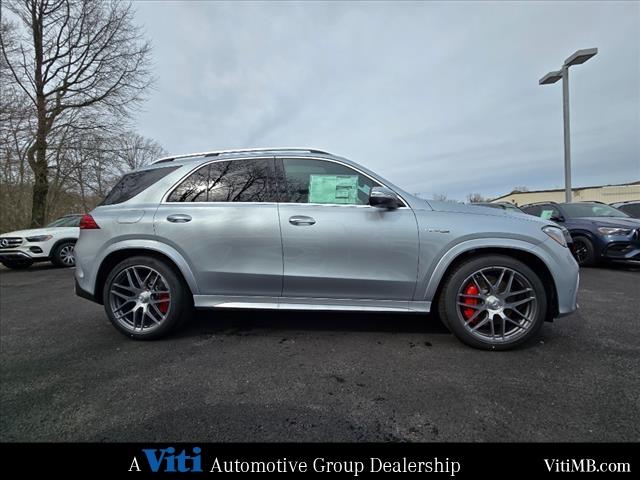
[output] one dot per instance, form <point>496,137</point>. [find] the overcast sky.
<point>440,98</point>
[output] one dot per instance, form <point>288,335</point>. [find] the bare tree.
<point>439,196</point>
<point>73,55</point>
<point>135,151</point>
<point>475,198</point>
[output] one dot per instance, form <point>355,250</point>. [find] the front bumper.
<point>622,251</point>
<point>566,276</point>
<point>20,255</point>
<point>34,252</point>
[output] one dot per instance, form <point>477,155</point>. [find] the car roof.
<point>243,153</point>
<point>193,160</point>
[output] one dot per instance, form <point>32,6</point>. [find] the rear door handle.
<point>301,220</point>
<point>179,218</point>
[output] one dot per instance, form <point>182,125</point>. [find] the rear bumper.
<point>83,293</point>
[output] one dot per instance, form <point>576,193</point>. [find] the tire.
<point>17,264</point>
<point>62,255</point>
<point>583,251</point>
<point>160,307</point>
<point>472,305</point>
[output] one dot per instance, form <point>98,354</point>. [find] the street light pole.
<point>567,134</point>
<point>577,58</point>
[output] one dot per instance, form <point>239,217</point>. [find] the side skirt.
<point>297,303</point>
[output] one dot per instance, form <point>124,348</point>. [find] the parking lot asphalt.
<point>67,375</point>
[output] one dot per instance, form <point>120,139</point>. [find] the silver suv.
<point>304,229</point>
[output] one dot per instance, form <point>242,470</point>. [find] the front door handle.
<point>179,218</point>
<point>301,220</point>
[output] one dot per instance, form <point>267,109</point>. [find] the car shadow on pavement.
<point>32,269</point>
<point>631,266</point>
<point>248,322</point>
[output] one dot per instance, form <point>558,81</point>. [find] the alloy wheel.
<point>67,255</point>
<point>497,304</point>
<point>580,251</point>
<point>139,298</point>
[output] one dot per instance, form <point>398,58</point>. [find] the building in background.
<point>600,193</point>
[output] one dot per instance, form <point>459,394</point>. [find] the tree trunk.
<point>38,154</point>
<point>41,183</point>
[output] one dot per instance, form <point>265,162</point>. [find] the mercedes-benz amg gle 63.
<point>304,229</point>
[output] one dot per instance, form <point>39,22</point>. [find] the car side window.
<point>632,209</point>
<point>533,210</point>
<point>228,181</point>
<point>134,183</point>
<point>547,211</point>
<point>323,182</point>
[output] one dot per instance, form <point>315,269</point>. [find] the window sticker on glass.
<point>342,189</point>
<point>366,189</point>
<point>546,214</point>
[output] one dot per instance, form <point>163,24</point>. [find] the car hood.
<point>32,232</point>
<point>611,221</point>
<point>481,210</point>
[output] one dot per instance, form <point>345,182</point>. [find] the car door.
<point>335,245</point>
<point>223,219</point>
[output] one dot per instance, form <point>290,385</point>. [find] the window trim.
<point>277,162</point>
<point>272,176</point>
<point>280,166</point>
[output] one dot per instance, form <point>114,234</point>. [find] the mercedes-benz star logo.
<point>4,242</point>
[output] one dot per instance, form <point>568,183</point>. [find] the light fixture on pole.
<point>577,58</point>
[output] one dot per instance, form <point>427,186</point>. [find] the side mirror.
<point>382,197</point>
<point>556,218</point>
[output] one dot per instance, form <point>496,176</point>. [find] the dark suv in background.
<point>599,232</point>
<point>631,208</point>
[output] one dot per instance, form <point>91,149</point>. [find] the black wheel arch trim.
<point>530,259</point>
<point>60,242</point>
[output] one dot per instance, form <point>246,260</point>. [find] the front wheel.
<point>145,298</point>
<point>63,255</point>
<point>493,302</point>
<point>583,251</point>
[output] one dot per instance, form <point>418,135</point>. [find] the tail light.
<point>88,223</point>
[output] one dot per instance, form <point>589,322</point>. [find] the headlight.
<point>39,238</point>
<point>556,234</point>
<point>614,231</point>
<point>567,234</point>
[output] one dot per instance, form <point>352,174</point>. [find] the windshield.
<point>591,210</point>
<point>509,206</point>
<point>66,222</point>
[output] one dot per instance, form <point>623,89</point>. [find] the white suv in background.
<point>54,243</point>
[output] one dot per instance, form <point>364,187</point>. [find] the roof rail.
<point>215,153</point>
<point>538,203</point>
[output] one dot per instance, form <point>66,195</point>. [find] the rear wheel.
<point>145,298</point>
<point>63,256</point>
<point>493,302</point>
<point>583,251</point>
<point>17,264</point>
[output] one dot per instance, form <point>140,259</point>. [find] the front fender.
<point>429,282</point>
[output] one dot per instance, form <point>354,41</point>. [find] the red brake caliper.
<point>163,306</point>
<point>471,289</point>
